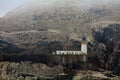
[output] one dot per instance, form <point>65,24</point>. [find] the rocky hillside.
<point>38,71</point>
<point>30,24</point>
<point>42,29</point>
<point>106,47</point>
<point>27,70</point>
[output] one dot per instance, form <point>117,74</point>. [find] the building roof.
<point>84,38</point>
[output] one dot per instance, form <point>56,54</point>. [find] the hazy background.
<point>7,5</point>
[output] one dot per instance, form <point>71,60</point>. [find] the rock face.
<point>30,24</point>
<point>93,75</point>
<point>6,47</point>
<point>38,71</point>
<point>38,27</point>
<point>110,44</point>
<point>27,69</point>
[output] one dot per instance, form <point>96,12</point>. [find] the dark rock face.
<point>108,42</point>
<point>117,70</point>
<point>9,48</point>
<point>97,52</point>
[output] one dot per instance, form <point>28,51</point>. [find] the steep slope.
<point>30,24</point>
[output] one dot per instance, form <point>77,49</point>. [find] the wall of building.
<point>66,59</point>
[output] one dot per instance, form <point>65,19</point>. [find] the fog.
<point>80,2</point>
<point>7,5</point>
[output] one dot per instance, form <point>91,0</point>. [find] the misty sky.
<point>7,5</point>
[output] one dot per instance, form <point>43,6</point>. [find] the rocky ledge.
<point>22,70</point>
<point>37,71</point>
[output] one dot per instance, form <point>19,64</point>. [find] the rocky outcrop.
<point>106,46</point>
<point>10,48</point>
<point>27,69</point>
<point>38,71</point>
<point>94,75</point>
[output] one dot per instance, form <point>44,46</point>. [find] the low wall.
<point>67,59</point>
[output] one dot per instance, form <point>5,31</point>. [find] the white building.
<point>69,53</point>
<point>83,50</point>
<point>72,56</point>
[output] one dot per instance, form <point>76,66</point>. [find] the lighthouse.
<point>70,56</point>
<point>84,45</point>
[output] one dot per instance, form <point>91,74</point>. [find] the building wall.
<point>66,59</point>
<point>69,52</point>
